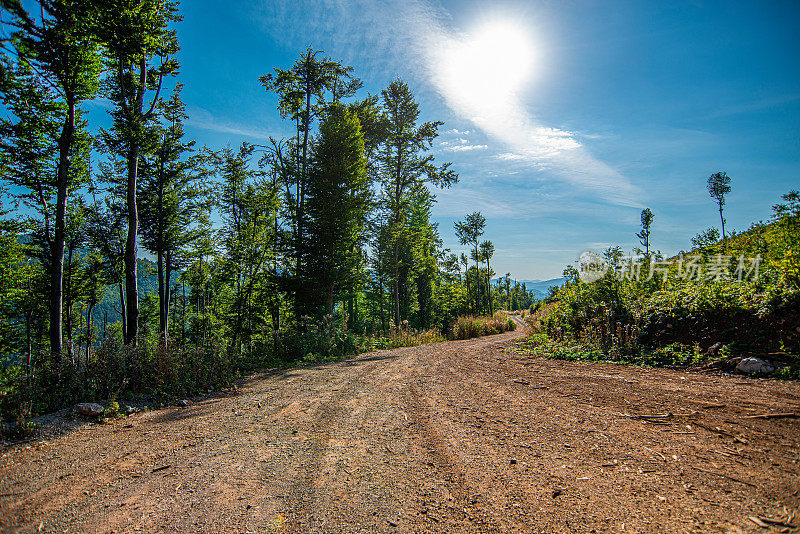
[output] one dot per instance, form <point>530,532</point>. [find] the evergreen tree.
<point>168,193</point>
<point>469,232</point>
<point>426,248</point>
<point>338,201</point>
<point>404,167</point>
<point>644,235</point>
<point>303,91</point>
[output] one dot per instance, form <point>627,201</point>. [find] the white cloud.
<point>409,34</point>
<point>495,107</point>
<point>466,148</point>
<point>510,156</point>
<point>205,120</point>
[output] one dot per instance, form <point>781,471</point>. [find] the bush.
<point>404,337</point>
<point>468,326</point>
<point>671,321</point>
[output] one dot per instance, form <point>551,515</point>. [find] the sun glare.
<point>489,66</point>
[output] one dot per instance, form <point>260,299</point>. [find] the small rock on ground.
<point>753,366</point>
<point>89,409</point>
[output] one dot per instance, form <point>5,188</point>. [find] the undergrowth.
<point>466,327</point>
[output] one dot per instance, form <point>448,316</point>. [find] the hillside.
<point>716,305</point>
<point>147,280</point>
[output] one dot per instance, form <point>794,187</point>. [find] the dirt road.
<point>450,437</point>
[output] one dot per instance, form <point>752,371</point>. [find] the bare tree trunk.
<point>122,307</point>
<point>69,295</point>
<point>469,290</point>
<point>351,306</point>
<point>131,289</point>
<point>183,313</point>
<point>89,331</point>
<point>383,315</point>
<point>160,269</point>
<point>167,295</point>
<point>396,289</point>
<point>57,246</point>
<point>489,285</point>
<point>29,344</point>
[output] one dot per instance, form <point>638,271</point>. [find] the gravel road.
<point>462,436</point>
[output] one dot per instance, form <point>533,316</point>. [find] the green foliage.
<point>669,320</point>
<point>644,235</point>
<point>111,411</point>
<point>706,238</point>
<point>336,227</point>
<point>327,339</point>
<point>466,327</point>
<point>786,261</point>
<point>469,232</point>
<point>719,185</point>
<point>324,247</point>
<point>790,372</point>
<point>404,166</point>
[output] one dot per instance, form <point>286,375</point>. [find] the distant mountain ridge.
<point>540,288</point>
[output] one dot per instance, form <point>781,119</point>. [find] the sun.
<point>489,66</point>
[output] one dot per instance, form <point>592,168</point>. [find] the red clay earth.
<point>460,436</point>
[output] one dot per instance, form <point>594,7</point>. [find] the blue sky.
<point>596,109</point>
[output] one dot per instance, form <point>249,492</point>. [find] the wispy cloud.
<point>205,120</point>
<point>466,148</point>
<point>460,144</point>
<point>510,156</point>
<point>402,34</point>
<point>499,112</point>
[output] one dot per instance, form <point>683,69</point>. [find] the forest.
<point>137,261</point>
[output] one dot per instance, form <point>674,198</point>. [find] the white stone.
<point>89,408</point>
<point>752,366</point>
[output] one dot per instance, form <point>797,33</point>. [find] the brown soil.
<point>449,437</point>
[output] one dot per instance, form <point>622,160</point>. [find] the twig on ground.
<point>656,453</point>
<point>740,481</point>
<point>772,416</point>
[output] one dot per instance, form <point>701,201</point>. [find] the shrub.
<point>468,326</point>
<point>404,337</point>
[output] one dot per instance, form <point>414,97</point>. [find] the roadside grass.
<point>674,356</point>
<point>403,337</point>
<point>539,344</point>
<point>468,326</point>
